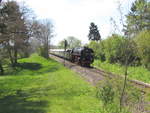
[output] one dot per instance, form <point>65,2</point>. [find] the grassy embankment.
<point>38,85</point>
<point>138,73</point>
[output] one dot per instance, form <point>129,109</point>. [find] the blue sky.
<point>73,17</point>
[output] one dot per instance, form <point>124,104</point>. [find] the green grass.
<point>38,85</point>
<point>138,73</point>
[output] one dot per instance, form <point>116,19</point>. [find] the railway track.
<point>136,82</point>
<point>94,75</point>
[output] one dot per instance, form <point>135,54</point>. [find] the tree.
<point>143,46</point>
<point>128,46</point>
<point>94,32</point>
<point>1,59</point>
<point>72,42</point>
<point>98,49</point>
<point>125,50</point>
<point>112,47</point>
<point>14,33</point>
<point>43,32</point>
<point>138,18</point>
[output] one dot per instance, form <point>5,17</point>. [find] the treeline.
<point>21,33</point>
<point>112,49</point>
<point>134,47</point>
<point>72,42</point>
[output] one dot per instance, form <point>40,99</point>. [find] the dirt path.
<point>89,74</point>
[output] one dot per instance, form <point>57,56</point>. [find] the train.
<point>83,56</point>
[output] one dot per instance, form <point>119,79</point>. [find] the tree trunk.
<point>1,69</point>
<point>47,47</point>
<point>15,55</point>
<point>9,53</point>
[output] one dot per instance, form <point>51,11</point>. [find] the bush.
<point>109,91</point>
<point>143,44</point>
<point>127,51</point>
<point>106,94</point>
<point>114,48</point>
<point>98,50</point>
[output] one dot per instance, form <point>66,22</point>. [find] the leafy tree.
<point>72,42</point>
<point>1,59</point>
<point>138,18</point>
<point>98,49</point>
<point>143,44</point>
<point>14,32</point>
<point>111,46</point>
<point>94,32</point>
<point>61,44</point>
<point>43,32</point>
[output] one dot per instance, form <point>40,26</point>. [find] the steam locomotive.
<point>83,56</point>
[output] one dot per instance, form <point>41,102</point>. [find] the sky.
<point>73,17</point>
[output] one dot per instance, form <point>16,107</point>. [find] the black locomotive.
<point>81,55</point>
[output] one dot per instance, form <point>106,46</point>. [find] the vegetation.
<point>109,92</point>
<point>17,28</point>
<point>42,31</point>
<point>14,36</point>
<point>72,42</point>
<point>98,50</point>
<point>114,48</point>
<point>132,49</point>
<point>138,73</point>
<point>94,32</point>
<point>40,85</point>
<point>143,46</point>
<point>138,18</point>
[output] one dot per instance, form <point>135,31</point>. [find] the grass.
<point>38,85</point>
<point>138,73</point>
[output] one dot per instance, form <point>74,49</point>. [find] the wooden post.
<point>65,47</point>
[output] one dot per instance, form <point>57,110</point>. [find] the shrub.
<point>143,44</point>
<point>127,51</point>
<point>106,93</point>
<point>98,50</point>
<point>115,49</point>
<point>112,46</point>
<point>109,92</point>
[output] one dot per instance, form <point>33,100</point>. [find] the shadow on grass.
<point>19,104</point>
<point>29,66</point>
